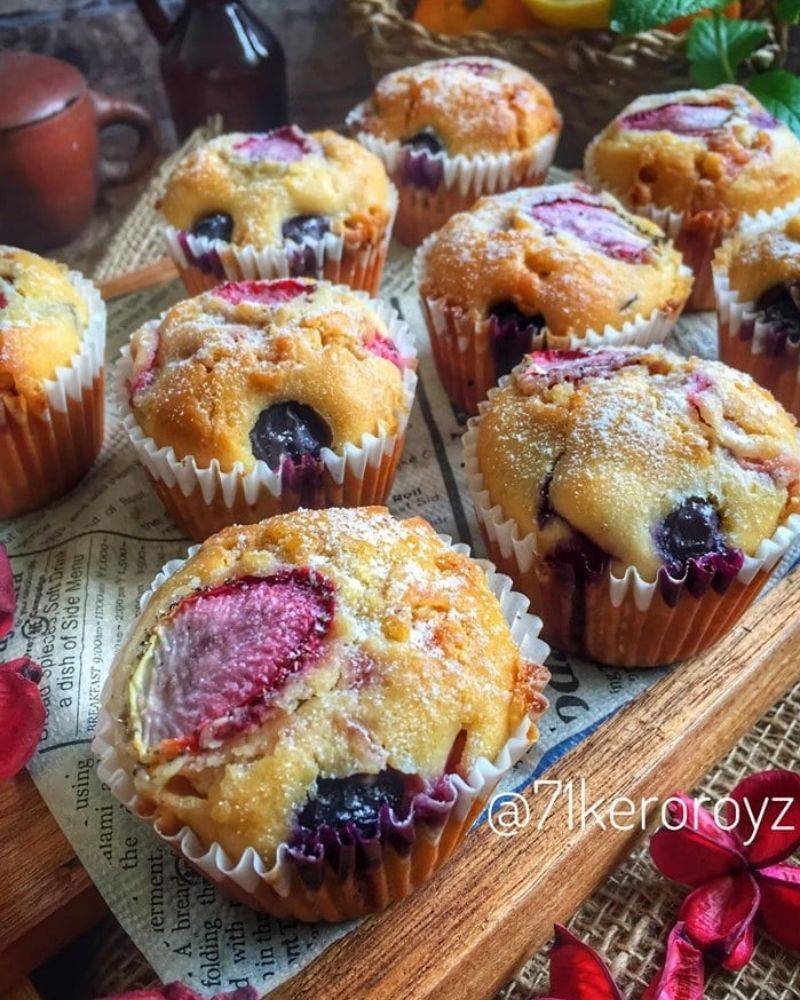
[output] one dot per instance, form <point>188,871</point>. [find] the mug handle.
<point>113,111</point>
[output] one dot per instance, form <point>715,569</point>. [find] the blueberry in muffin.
<point>294,390</point>
<point>318,689</point>
<point>553,266</point>
<point>635,483</point>
<point>451,130</point>
<point>278,203</point>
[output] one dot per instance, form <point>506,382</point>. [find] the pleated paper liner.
<point>623,621</point>
<point>204,263</point>
<point>202,500</point>
<point>462,346</point>
<point>748,343</point>
<point>43,454</point>
<point>343,876</point>
<point>434,186</point>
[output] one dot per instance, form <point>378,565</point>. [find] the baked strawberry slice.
<point>218,662</point>
<point>272,293</point>
<point>595,224</point>
<point>288,144</point>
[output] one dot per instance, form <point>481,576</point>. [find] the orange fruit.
<point>460,17</point>
<point>733,10</point>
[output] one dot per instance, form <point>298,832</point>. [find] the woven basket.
<point>592,74</point>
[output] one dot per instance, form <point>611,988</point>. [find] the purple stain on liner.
<point>420,169</point>
<point>348,850</point>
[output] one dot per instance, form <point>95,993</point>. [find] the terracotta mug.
<point>50,163</point>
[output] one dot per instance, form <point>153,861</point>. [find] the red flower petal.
<point>22,714</point>
<point>8,598</point>
<point>682,976</point>
<point>697,849</point>
<point>577,972</point>
<point>718,915</point>
<point>180,991</point>
<point>769,816</point>
<point>780,903</point>
<point>743,951</point>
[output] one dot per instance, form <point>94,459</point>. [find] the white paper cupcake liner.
<point>505,532</point>
<point>332,256</point>
<point>46,450</point>
<point>461,347</point>
<point>481,174</point>
<point>353,461</point>
<point>249,871</point>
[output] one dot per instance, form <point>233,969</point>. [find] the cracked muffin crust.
<point>316,675</point>
<point>43,318</point>
<point>653,458</point>
<point>451,130</point>
<point>709,157</point>
<point>544,267</point>
<point>258,397</point>
<point>639,498</point>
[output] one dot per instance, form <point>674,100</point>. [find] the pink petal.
<point>780,903</point>
<point>8,598</point>
<point>22,714</point>
<point>769,816</point>
<point>698,850</point>
<point>718,915</point>
<point>682,976</point>
<point>577,972</point>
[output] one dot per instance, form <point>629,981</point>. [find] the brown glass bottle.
<point>218,58</point>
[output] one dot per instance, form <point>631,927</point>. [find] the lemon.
<point>572,13</point>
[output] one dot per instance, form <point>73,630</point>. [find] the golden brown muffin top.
<point>43,318</point>
<point>760,257</point>
<point>577,260</point>
<point>269,185</point>
<point>238,372</point>
<point>469,105</point>
<point>317,645</point>
<point>653,458</point>
<point>698,151</point>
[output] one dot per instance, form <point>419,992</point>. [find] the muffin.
<point>452,130</point>
<point>259,397</point>
<point>640,499</point>
<point>696,162</point>
<point>52,339</point>
<point>314,709</point>
<point>757,284</point>
<point>279,204</point>
<point>556,267</point>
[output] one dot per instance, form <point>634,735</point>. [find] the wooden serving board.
<point>464,934</point>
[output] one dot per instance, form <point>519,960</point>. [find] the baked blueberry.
<point>780,307</point>
<point>305,227</point>
<point>691,531</point>
<point>427,140</point>
<point>357,800</point>
<point>216,226</point>
<point>292,429</point>
<point>511,335</point>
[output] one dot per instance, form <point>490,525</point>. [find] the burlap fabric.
<point>627,919</point>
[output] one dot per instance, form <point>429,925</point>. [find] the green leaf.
<point>716,47</point>
<point>631,16</point>
<point>789,10</point>
<point>779,92</point>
